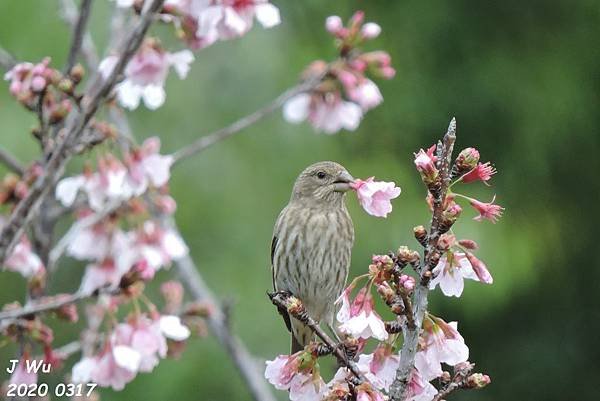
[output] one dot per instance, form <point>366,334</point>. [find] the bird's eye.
<point>321,175</point>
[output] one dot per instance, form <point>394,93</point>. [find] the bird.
<point>312,245</point>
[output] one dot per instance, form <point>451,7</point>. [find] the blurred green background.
<point>522,79</point>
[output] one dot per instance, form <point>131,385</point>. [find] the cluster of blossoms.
<point>439,342</point>
<point>345,92</point>
<point>45,90</point>
<point>116,188</point>
<point>135,346</point>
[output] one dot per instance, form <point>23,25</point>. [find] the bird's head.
<point>322,182</point>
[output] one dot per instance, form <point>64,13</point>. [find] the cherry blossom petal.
<point>172,328</point>
<point>267,14</point>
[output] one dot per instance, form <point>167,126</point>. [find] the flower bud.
<point>77,73</point>
<point>468,244</point>
<point>478,380</point>
<point>445,377</point>
<point>65,85</point>
<point>334,24</point>
<point>445,242</point>
<point>405,255</point>
<point>466,161</point>
<point>420,234</point>
<point>370,30</point>
<point>407,282</point>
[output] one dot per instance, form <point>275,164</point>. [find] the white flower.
<point>172,328</point>
<point>450,273</point>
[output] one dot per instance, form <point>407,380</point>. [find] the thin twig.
<point>68,12</point>
<point>207,141</point>
<point>249,368</point>
<point>11,162</point>
<point>446,391</point>
<point>79,31</point>
<point>77,122</point>
<point>280,300</point>
<point>7,61</point>
<point>411,334</point>
<point>46,305</point>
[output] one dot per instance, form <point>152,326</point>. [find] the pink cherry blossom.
<point>334,25</point>
<point>146,166</point>
<point>280,371</point>
<point>146,73</point>
<point>480,269</point>
<point>102,274</point>
<point>139,344</point>
<point>172,328</point>
<point>365,392</point>
<point>358,318</point>
<point>420,389</point>
<point>425,163</point>
<point>365,93</point>
<point>327,113</point>
<point>27,79</point>
<point>440,342</point>
<point>23,260</point>
<point>482,172</point>
<point>21,375</point>
<point>307,387</point>
<point>107,372</point>
<point>375,196</point>
<point>487,211</point>
<point>380,366</point>
<point>450,272</point>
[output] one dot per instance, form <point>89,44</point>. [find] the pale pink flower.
<point>327,113</point>
<point>146,166</point>
<point>440,342</point>
<point>21,375</point>
<point>228,19</point>
<point>375,196</point>
<point>482,172</point>
<point>83,370</point>
<point>145,75</point>
<point>420,389</point>
<point>358,318</point>
<point>450,272</point>
<point>107,372</point>
<point>106,273</point>
<point>366,94</point>
<point>172,328</point>
<point>487,211</point>
<point>380,366</point>
<point>27,79</point>
<point>92,242</point>
<point>157,246</point>
<point>307,387</point>
<point>23,260</point>
<point>280,371</point>
<point>139,345</point>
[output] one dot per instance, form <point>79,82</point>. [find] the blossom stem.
<point>11,162</point>
<point>411,335</point>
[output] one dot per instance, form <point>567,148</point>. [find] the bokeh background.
<point>522,79</point>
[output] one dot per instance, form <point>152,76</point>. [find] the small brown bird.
<point>312,245</point>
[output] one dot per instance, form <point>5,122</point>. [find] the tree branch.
<point>68,12</point>
<point>244,361</point>
<point>7,61</point>
<point>295,308</point>
<point>78,34</point>
<point>207,141</point>
<point>54,168</point>
<point>411,334</point>
<point>11,162</point>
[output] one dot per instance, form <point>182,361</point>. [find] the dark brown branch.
<point>11,162</point>
<point>77,122</point>
<point>217,136</point>
<point>411,334</point>
<point>78,34</point>
<point>295,308</point>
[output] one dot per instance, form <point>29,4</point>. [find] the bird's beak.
<point>343,182</point>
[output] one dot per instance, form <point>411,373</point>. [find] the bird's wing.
<point>284,314</point>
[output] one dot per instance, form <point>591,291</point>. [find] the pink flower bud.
<point>478,380</point>
<point>480,269</point>
<point>387,72</point>
<point>38,83</point>
<point>15,87</point>
<point>468,244</point>
<point>334,24</point>
<point>407,282</point>
<point>370,30</point>
<point>425,163</point>
<point>357,18</point>
<point>467,159</point>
